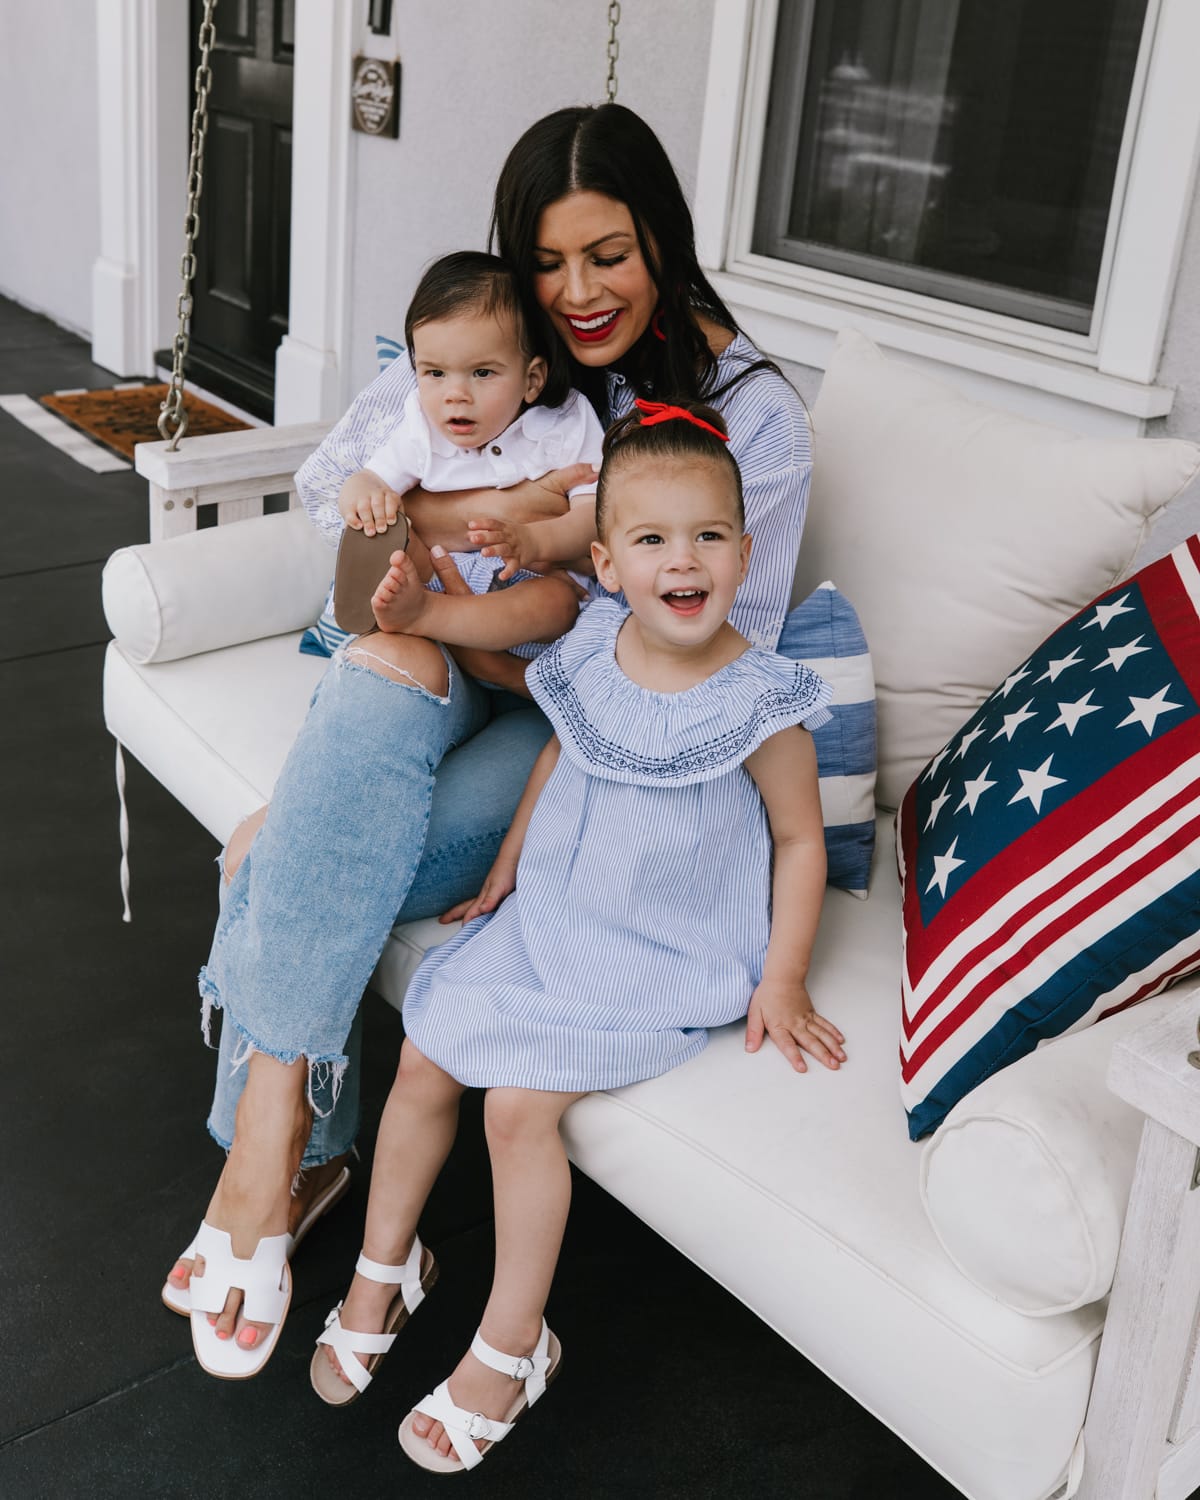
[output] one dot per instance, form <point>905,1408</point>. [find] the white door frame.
<point>142,63</point>
<point>311,365</point>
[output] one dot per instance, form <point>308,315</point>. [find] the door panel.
<point>241,286</point>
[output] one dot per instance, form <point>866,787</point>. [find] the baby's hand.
<point>367,504</point>
<point>785,1013</point>
<point>511,540</point>
<point>501,881</point>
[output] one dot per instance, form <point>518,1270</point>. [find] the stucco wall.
<point>49,222</point>
<point>469,89</point>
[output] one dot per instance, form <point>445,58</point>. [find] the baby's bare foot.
<point>398,601</point>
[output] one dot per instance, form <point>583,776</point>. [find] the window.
<point>963,149</point>
<point>1024,221</point>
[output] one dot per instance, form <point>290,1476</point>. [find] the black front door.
<point>241,286</point>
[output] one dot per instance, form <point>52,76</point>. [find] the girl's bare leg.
<point>416,1132</point>
<point>531,1178</point>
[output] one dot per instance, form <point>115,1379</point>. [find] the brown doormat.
<point>119,419</point>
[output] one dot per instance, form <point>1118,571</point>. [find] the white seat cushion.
<point>215,729</point>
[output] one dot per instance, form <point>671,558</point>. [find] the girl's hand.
<point>785,1013</point>
<point>501,881</point>
<point>367,504</point>
<point>511,540</point>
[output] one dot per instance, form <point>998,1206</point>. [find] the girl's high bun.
<point>687,431</point>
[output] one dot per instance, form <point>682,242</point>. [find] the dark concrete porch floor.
<point>671,1388</point>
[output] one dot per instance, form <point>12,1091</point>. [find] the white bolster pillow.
<point>215,588</point>
<point>1026,1181</point>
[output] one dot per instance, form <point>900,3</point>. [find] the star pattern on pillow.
<point>1009,766</point>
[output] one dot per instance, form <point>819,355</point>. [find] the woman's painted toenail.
<point>248,1338</point>
<point>221,1333</point>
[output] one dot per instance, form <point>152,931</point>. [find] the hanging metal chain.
<point>172,419</point>
<point>614,51</point>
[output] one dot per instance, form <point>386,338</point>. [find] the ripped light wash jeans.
<point>358,836</point>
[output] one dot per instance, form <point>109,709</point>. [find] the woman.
<point>591,216</point>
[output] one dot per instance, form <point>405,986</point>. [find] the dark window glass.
<point>962,148</point>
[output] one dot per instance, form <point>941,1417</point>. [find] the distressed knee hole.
<point>360,656</point>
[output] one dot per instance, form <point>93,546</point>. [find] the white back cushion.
<point>964,536</point>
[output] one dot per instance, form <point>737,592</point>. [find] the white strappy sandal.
<point>265,1280</point>
<point>465,1428</point>
<point>179,1299</point>
<point>414,1278</point>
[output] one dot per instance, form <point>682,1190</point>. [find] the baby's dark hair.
<point>642,435</point>
<point>468,283</point>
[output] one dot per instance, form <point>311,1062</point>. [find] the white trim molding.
<point>1102,381</point>
<point>311,363</point>
<point>142,68</point>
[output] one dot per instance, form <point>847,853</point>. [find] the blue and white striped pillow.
<point>323,638</point>
<point>823,632</point>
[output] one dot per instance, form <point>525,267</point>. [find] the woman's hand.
<point>785,1013</point>
<point>501,881</point>
<point>442,519</point>
<point>539,499</point>
<point>367,504</point>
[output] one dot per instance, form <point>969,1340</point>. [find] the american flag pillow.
<point>1050,853</point>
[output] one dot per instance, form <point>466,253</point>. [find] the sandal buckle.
<point>523,1368</point>
<point>479,1426</point>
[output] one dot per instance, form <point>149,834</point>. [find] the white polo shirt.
<point>542,438</point>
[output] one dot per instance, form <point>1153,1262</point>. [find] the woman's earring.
<point>656,325</point>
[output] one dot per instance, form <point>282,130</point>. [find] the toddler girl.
<point>663,874</point>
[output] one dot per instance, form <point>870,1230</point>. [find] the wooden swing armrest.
<point>1142,1435</point>
<point>231,470</point>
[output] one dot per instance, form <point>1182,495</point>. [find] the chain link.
<point>172,419</point>
<point>614,51</point>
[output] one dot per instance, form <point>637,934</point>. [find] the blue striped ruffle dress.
<point>641,912</point>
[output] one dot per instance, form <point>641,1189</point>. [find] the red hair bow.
<point>654,412</point>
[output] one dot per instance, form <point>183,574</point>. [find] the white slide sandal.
<point>265,1281</point>
<point>179,1298</point>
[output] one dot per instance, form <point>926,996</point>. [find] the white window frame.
<point>1104,378</point>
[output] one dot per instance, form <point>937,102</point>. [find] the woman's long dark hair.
<point>607,149</point>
